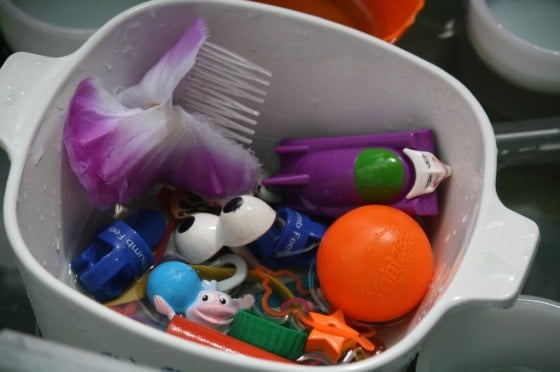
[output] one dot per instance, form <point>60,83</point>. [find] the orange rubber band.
<point>266,274</point>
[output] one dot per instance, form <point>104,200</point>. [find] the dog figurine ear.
<point>163,307</point>
<point>245,302</point>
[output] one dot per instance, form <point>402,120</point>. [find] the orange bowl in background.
<point>385,19</point>
<point>390,19</point>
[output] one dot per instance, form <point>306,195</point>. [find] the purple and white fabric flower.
<point>121,145</point>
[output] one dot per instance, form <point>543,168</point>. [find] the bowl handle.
<point>499,258</point>
<point>22,77</point>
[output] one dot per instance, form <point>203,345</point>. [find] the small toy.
<point>275,239</point>
<point>290,242</point>
<point>194,332</point>
<point>269,280</point>
<point>174,287</point>
<point>268,277</point>
<point>332,336</point>
<point>265,334</point>
<point>120,254</point>
<point>196,239</point>
<point>330,176</point>
<point>374,263</point>
<point>228,271</point>
<point>242,220</point>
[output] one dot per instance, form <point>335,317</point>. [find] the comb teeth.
<point>223,86</point>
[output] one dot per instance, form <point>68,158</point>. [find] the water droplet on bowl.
<point>10,94</point>
<point>106,68</point>
<point>126,50</point>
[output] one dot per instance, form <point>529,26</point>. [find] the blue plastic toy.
<point>290,242</point>
<point>175,287</point>
<point>176,282</point>
<point>120,254</point>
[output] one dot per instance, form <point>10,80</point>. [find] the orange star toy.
<point>332,336</point>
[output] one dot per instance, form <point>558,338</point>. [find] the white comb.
<point>225,86</point>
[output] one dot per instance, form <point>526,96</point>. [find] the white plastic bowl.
<point>327,80</point>
<point>522,53</point>
<point>55,27</point>
<point>521,338</point>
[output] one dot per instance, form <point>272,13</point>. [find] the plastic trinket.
<point>121,253</point>
<point>398,169</point>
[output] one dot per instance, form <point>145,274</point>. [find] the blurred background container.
<point>55,27</point>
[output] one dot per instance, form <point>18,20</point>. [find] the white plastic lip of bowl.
<point>512,57</point>
<point>479,339</point>
<point>26,32</point>
<point>324,74</point>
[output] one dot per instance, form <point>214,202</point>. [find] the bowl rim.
<point>486,15</point>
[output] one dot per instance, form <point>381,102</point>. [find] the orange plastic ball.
<point>374,263</point>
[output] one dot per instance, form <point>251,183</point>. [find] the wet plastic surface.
<point>529,187</point>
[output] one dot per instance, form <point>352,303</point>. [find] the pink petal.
<point>117,153</point>
<point>214,166</point>
<point>160,81</point>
